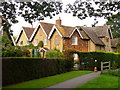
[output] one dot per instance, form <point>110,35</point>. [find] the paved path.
<point>72,83</point>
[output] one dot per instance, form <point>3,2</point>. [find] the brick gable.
<point>82,44</point>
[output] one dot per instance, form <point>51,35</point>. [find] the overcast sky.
<point>67,19</point>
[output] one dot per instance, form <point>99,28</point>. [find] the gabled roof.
<point>64,31</point>
<point>84,35</point>
<point>114,42</point>
<point>46,27</point>
<point>92,35</point>
<point>27,31</point>
<point>102,31</point>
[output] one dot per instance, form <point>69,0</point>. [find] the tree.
<point>30,11</point>
<point>92,8</point>
<point>114,23</point>
<point>41,44</point>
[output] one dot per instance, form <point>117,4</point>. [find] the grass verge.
<point>48,81</point>
<point>105,80</point>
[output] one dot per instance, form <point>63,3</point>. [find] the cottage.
<point>62,37</point>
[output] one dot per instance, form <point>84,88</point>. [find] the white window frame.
<point>27,42</point>
<point>45,40</point>
<point>75,42</point>
<point>20,43</point>
<point>57,40</point>
<point>35,42</point>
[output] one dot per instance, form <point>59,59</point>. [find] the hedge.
<point>16,70</point>
<point>87,59</point>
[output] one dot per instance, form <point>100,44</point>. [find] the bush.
<point>13,51</point>
<point>16,70</point>
<point>87,59</point>
<point>40,44</point>
<point>53,54</point>
<point>69,52</point>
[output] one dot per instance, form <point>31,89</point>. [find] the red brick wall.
<point>82,44</point>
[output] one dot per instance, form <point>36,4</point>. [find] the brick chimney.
<point>59,21</point>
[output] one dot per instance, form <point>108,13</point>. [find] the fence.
<point>104,66</point>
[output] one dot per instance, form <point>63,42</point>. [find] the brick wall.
<point>82,44</point>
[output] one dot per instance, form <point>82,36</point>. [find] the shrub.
<point>13,51</point>
<point>40,44</point>
<point>69,52</point>
<point>30,46</point>
<point>53,54</point>
<point>17,70</point>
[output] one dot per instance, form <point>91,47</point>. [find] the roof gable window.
<point>74,40</point>
<point>35,42</point>
<point>45,40</point>
<point>20,43</point>
<point>27,42</point>
<point>57,40</point>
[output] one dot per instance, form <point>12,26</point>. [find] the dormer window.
<point>74,40</point>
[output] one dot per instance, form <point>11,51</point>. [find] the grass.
<point>48,81</point>
<point>105,80</point>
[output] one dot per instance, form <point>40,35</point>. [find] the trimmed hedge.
<point>87,59</point>
<point>17,70</point>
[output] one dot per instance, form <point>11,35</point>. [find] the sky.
<point>67,20</point>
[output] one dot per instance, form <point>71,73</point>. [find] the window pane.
<point>27,42</point>
<point>74,40</point>
<point>45,41</point>
<point>35,42</point>
<point>21,42</point>
<point>57,40</point>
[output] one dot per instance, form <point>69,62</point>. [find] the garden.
<point>23,70</point>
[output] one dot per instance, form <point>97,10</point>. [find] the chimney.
<point>58,22</point>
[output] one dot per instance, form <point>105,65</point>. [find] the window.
<point>57,40</point>
<point>27,42</point>
<point>35,42</point>
<point>45,40</point>
<point>74,40</point>
<point>40,33</point>
<point>20,43</point>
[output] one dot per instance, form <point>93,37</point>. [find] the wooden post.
<point>109,65</point>
<point>101,66</point>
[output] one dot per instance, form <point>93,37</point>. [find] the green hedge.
<point>17,70</point>
<point>87,59</point>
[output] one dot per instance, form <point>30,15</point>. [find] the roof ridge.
<point>27,27</point>
<point>46,22</point>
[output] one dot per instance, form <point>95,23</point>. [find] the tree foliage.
<point>30,11</point>
<point>40,44</point>
<point>114,23</point>
<point>91,8</point>
<point>12,51</point>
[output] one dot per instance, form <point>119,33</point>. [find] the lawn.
<point>105,80</point>
<point>48,81</point>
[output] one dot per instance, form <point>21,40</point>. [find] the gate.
<point>105,67</point>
